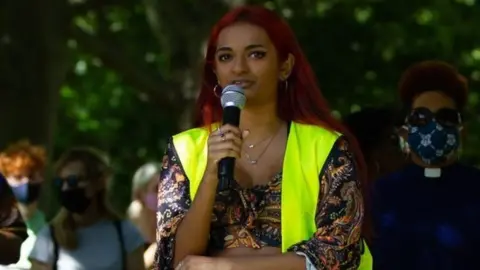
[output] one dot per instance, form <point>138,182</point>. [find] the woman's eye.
<point>223,57</point>
<point>258,54</point>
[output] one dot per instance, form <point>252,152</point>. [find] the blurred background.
<point>121,75</point>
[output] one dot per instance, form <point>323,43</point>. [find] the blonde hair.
<point>96,166</point>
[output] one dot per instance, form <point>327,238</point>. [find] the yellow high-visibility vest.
<point>307,149</point>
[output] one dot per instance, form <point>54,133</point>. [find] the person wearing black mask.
<point>426,215</point>
<point>86,233</point>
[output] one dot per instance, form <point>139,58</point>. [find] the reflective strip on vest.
<point>307,149</point>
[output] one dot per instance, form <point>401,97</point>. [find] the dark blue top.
<point>427,223</point>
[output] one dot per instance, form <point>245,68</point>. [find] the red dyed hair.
<point>22,159</point>
<point>302,102</point>
<point>433,76</point>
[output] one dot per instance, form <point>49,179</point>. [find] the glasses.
<point>446,117</point>
<point>71,180</point>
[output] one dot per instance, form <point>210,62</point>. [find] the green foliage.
<point>130,102</point>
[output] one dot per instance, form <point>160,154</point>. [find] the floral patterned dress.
<point>251,217</point>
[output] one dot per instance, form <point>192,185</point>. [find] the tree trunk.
<point>33,66</point>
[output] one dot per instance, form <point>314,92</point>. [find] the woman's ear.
<point>287,67</point>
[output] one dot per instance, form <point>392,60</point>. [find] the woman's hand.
<point>224,142</point>
<point>204,263</point>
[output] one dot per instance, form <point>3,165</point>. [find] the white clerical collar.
<point>433,172</point>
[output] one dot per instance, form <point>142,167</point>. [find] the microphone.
<point>232,100</point>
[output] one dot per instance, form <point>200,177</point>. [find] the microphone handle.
<point>226,166</point>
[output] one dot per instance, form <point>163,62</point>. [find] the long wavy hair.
<point>96,166</point>
<point>302,102</point>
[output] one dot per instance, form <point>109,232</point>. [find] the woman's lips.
<point>243,83</point>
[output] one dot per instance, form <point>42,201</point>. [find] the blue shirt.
<point>427,223</point>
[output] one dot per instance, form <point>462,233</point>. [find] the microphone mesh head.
<point>233,95</point>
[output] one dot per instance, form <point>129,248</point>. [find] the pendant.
<point>251,146</point>
<point>253,162</point>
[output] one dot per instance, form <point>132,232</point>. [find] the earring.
<point>215,92</point>
<point>286,84</point>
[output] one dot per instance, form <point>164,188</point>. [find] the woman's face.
<point>433,128</point>
<point>246,56</point>
<point>72,175</point>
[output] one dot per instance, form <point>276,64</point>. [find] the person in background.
<point>23,166</point>
<point>426,215</point>
<point>86,234</point>
<point>376,130</point>
<point>143,208</point>
<point>12,228</point>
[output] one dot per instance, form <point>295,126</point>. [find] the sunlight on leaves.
<point>466,2</point>
<point>388,54</point>
<point>72,44</point>
<point>371,75</point>
<point>287,13</point>
<point>81,112</point>
<point>476,54</point>
<point>355,108</point>
<point>97,62</point>
<point>355,46</point>
<point>363,14</point>
<point>67,92</point>
<point>87,23</point>
<point>467,59</point>
<point>116,26</point>
<point>424,17</point>
<point>476,75</point>
<point>113,123</point>
<point>150,57</point>
<point>88,125</point>
<point>76,2</point>
<point>81,68</point>
<point>323,7</point>
<point>142,152</point>
<point>337,114</point>
<point>115,99</point>
<point>473,99</point>
<point>270,5</point>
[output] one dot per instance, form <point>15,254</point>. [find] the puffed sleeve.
<point>173,203</point>
<point>337,242</point>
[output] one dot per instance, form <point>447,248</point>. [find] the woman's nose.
<point>240,65</point>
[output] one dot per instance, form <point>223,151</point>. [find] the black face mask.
<point>75,200</point>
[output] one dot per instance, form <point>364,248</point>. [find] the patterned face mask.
<point>433,143</point>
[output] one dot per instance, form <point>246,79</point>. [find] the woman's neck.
<point>260,121</point>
